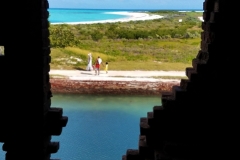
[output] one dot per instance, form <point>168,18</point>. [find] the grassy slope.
<point>141,54</point>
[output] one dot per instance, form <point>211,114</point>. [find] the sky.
<point>127,4</point>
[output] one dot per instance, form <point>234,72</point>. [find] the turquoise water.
<point>81,15</point>
<point>66,15</point>
<point>99,127</point>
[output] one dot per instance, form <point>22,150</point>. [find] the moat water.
<point>100,127</point>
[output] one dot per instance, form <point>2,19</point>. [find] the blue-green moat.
<point>99,127</point>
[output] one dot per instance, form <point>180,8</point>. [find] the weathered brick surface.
<point>110,87</point>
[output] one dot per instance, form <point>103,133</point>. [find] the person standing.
<point>106,67</point>
<point>89,66</point>
<point>99,61</point>
<point>97,67</point>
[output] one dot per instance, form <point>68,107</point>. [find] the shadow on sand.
<point>80,69</point>
<point>88,73</point>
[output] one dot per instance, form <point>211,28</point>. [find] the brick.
<point>150,119</point>
<point>124,157</point>
<point>208,5</point>
<point>184,83</point>
<point>45,32</point>
<point>46,50</point>
<point>202,56</point>
<point>206,16</point>
<point>159,155</point>
<point>45,23</point>
<point>45,14</point>
<point>45,4</point>
<point>178,92</point>
<point>216,6</point>
<point>144,150</point>
<point>53,147</point>
<point>169,104</point>
<point>190,71</point>
<point>144,127</point>
<point>215,17</point>
<point>108,87</point>
<point>133,154</point>
<point>157,111</point>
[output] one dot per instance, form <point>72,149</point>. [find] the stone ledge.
<point>110,87</point>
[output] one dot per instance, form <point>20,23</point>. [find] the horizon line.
<point>125,8</point>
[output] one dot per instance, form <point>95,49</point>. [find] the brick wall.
<point>110,87</point>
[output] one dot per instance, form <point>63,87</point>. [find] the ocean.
<point>66,15</point>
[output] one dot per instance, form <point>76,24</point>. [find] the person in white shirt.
<point>99,63</point>
<point>89,66</point>
<point>99,60</point>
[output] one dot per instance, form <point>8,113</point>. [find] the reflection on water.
<point>100,127</point>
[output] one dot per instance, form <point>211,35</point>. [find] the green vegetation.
<point>161,44</point>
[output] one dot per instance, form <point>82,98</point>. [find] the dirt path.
<point>118,75</point>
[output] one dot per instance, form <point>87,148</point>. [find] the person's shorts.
<point>97,67</point>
